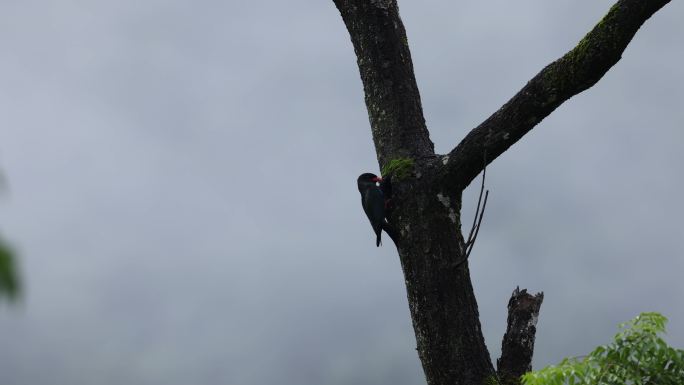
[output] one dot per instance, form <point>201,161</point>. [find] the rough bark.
<point>440,294</point>
<point>384,60</point>
<point>517,346</point>
<point>426,220</point>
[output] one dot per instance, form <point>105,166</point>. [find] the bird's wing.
<point>374,206</point>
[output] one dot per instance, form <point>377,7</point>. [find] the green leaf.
<point>637,355</point>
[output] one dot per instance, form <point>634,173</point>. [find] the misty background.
<point>181,188</point>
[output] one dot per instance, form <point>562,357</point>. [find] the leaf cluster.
<point>637,356</point>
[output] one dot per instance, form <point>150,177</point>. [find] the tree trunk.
<point>518,342</point>
<point>440,295</point>
<point>426,221</point>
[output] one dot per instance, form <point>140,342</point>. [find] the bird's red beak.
<point>377,179</point>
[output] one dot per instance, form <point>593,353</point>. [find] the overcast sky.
<point>182,188</point>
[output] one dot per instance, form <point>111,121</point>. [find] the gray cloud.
<point>182,188</point>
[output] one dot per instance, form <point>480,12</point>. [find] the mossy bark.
<point>576,71</point>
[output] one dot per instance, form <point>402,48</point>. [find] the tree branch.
<point>392,98</point>
<point>573,73</point>
<point>517,346</point>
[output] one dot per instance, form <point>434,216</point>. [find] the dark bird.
<point>373,202</point>
<point>386,188</point>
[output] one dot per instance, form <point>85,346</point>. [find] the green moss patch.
<point>400,168</point>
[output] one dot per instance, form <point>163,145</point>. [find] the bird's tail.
<point>378,233</point>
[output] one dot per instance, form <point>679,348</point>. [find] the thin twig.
<point>479,200</point>
<point>479,214</point>
<point>479,222</point>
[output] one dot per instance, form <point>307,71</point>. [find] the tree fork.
<point>426,221</point>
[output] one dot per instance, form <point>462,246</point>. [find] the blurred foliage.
<point>9,281</point>
<point>637,356</point>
